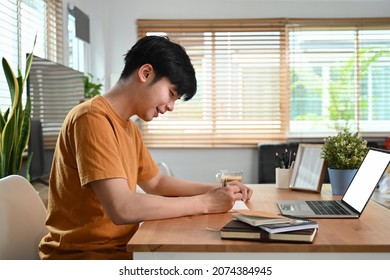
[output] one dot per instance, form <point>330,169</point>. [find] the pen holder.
<point>282,177</point>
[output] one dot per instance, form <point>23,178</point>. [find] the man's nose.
<point>171,106</point>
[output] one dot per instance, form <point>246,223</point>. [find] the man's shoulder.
<point>93,106</point>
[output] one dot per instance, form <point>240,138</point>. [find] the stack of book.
<point>268,227</point>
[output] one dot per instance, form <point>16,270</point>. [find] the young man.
<point>100,157</point>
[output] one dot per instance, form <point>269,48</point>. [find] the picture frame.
<point>309,168</point>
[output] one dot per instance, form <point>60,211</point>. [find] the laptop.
<point>354,199</point>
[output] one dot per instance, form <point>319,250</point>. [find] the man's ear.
<point>145,72</point>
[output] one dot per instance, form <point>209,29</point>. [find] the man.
<point>100,157</point>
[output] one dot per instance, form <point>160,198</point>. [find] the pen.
<point>292,161</point>
<point>279,160</point>
<point>289,160</point>
<point>286,160</point>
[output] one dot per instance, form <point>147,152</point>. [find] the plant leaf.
<point>23,131</point>
<point>7,138</point>
<point>11,79</point>
<point>29,61</point>
<point>28,164</point>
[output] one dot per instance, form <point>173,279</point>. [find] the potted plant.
<point>343,155</point>
<point>15,123</point>
<point>91,88</point>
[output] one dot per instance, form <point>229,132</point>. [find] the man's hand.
<point>222,199</point>
<point>245,191</point>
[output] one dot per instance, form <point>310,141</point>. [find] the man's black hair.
<point>168,59</point>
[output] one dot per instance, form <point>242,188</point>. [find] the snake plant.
<point>15,123</point>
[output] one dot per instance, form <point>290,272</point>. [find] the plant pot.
<point>340,179</point>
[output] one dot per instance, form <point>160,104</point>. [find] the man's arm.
<point>124,206</point>
<point>172,186</point>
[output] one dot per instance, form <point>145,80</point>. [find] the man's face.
<point>157,98</point>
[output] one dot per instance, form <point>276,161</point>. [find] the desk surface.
<point>369,233</point>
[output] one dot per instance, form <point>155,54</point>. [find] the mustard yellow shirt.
<point>94,143</point>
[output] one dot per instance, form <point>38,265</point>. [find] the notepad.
<point>257,218</point>
<point>240,205</point>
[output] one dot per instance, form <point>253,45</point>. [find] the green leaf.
<point>17,104</point>
<point>7,138</point>
<point>11,79</point>
<point>29,61</point>
<point>28,164</point>
<point>6,114</point>
<point>2,123</point>
<point>24,135</point>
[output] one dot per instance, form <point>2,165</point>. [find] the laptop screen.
<point>366,179</point>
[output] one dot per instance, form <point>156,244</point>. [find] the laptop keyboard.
<point>326,207</point>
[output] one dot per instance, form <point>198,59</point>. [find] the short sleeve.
<point>96,148</point>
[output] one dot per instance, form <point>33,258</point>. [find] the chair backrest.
<point>22,219</point>
<point>164,168</point>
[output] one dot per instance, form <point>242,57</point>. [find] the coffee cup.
<point>229,175</point>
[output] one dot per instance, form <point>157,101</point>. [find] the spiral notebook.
<point>354,199</point>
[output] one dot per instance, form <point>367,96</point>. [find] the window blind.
<point>9,45</point>
<point>21,21</point>
<point>242,95</point>
<point>263,80</point>
<point>54,90</point>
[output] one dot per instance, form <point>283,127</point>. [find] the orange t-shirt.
<point>94,143</point>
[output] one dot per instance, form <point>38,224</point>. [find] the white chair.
<point>164,168</point>
<point>22,219</point>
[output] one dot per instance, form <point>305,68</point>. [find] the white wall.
<point>113,32</point>
<point>121,15</point>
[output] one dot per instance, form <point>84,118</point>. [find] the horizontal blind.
<point>9,46</point>
<point>54,31</point>
<point>242,96</point>
<point>262,80</point>
<point>54,90</point>
<point>56,95</point>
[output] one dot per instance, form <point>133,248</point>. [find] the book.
<point>294,224</point>
<point>236,229</point>
<point>257,218</point>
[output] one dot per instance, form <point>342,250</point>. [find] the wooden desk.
<point>191,238</point>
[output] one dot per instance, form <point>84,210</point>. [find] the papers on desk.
<point>240,205</point>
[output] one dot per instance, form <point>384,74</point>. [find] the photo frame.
<point>309,168</point>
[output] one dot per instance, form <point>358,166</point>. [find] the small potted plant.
<point>343,155</point>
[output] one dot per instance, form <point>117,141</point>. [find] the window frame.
<point>242,138</point>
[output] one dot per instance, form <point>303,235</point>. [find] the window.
<point>79,48</point>
<point>339,78</point>
<point>266,80</point>
<point>242,94</point>
<point>21,21</point>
